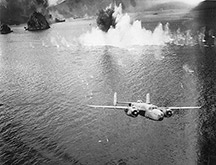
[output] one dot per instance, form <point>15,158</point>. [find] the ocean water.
<point>47,79</point>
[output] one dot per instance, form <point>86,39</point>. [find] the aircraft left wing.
<point>109,107</point>
<point>182,107</point>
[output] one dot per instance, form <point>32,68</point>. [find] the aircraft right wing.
<point>109,107</point>
<point>183,108</point>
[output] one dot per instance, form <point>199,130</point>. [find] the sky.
<point>191,2</point>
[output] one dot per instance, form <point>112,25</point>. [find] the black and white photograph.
<point>107,82</point>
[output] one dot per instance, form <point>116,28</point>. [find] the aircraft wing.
<point>182,107</point>
<point>109,107</point>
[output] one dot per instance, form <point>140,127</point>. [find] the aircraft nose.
<point>161,116</point>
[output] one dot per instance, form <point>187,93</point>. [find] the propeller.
<point>168,113</point>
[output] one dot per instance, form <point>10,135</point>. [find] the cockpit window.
<point>139,101</point>
<point>153,107</point>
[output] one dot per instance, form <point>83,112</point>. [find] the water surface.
<point>47,78</point>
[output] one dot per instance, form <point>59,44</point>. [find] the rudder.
<point>115,99</point>
<point>148,98</point>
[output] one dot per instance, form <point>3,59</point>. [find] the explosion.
<point>124,32</point>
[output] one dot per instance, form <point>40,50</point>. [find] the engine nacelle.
<point>132,112</point>
<point>135,113</point>
<point>168,113</point>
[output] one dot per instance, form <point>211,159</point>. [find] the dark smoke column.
<point>105,20</point>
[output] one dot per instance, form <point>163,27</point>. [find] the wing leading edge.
<point>109,107</point>
<point>182,107</point>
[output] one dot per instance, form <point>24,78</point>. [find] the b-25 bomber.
<point>145,109</point>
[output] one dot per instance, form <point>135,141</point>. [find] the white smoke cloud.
<point>190,2</point>
<point>126,34</point>
<point>55,2</point>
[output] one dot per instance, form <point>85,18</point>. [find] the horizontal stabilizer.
<point>124,102</point>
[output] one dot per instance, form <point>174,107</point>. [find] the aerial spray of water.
<point>128,33</point>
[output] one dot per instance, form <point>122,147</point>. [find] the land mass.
<point>37,22</point>
<point>5,29</point>
<point>149,12</point>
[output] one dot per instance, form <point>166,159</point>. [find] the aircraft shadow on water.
<point>145,109</point>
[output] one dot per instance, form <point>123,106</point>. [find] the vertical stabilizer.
<point>115,99</point>
<point>148,98</point>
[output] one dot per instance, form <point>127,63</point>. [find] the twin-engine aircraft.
<point>148,110</point>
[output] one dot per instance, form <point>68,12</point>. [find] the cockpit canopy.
<point>153,107</point>
<point>139,101</point>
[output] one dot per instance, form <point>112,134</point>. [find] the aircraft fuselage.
<point>149,111</point>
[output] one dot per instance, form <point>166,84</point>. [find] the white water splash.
<point>126,34</point>
<point>187,68</point>
<point>183,38</point>
<point>60,42</point>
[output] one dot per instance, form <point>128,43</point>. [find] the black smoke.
<point>105,20</point>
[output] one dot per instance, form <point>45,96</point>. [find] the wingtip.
<point>90,105</point>
<point>93,106</point>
